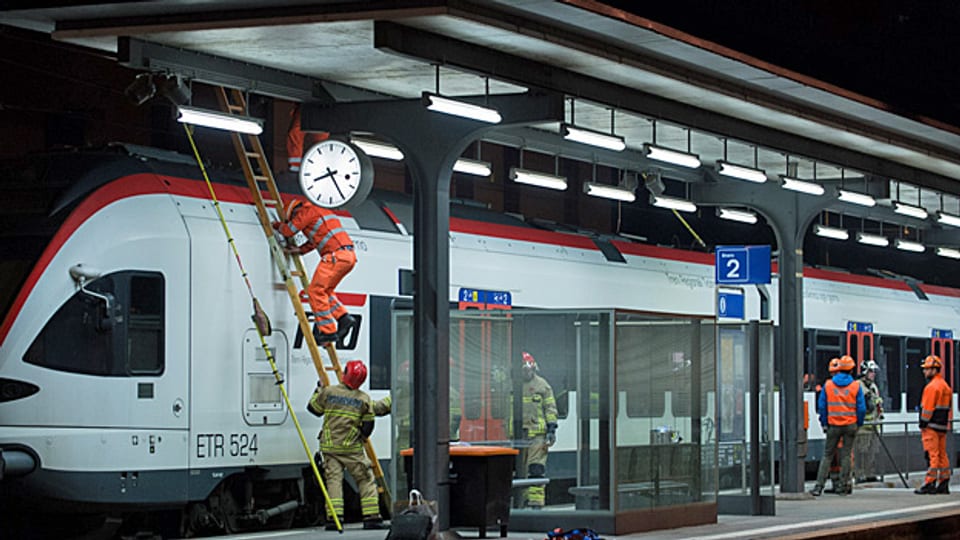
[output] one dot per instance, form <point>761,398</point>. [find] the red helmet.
<point>354,374</point>
<point>292,207</point>
<point>932,361</point>
<point>834,365</point>
<point>528,361</point>
<point>847,363</point>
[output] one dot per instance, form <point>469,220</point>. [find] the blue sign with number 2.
<point>741,265</point>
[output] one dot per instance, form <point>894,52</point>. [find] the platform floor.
<point>871,509</point>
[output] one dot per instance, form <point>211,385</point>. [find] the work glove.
<point>551,436</point>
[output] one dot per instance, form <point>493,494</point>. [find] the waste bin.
<point>480,479</point>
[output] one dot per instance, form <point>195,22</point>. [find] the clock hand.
<point>335,184</point>
<point>329,173</point>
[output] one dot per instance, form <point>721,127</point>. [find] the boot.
<point>929,488</point>
<point>331,526</point>
<point>374,523</point>
<point>322,338</point>
<point>817,490</point>
<point>943,488</point>
<point>344,324</point>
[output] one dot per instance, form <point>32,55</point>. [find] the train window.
<point>917,350</point>
<point>828,346</point>
<point>114,328</point>
<point>890,359</point>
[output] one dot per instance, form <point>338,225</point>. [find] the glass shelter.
<point>635,404</point>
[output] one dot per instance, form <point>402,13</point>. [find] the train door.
<point>860,341</point>
<point>942,345</point>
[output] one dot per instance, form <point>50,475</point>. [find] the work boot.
<point>344,324</point>
<point>817,491</point>
<point>322,338</point>
<point>331,526</point>
<point>929,488</point>
<point>943,488</point>
<point>844,490</point>
<point>376,523</point>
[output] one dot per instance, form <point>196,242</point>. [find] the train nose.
<point>14,462</point>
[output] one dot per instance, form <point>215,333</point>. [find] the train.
<point>134,391</point>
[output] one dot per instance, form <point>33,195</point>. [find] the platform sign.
<point>480,296</point>
<point>862,327</point>
<point>742,265</point>
<point>730,304</point>
<point>938,333</point>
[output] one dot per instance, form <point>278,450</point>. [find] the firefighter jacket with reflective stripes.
<point>321,227</point>
<point>935,412</point>
<point>344,411</point>
<point>871,396</point>
<point>539,406</point>
<point>841,402</point>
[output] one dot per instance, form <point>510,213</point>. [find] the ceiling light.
<point>743,216</point>
<point>831,232</point>
<point>794,184</point>
<point>682,159</point>
<point>472,166</point>
<point>460,108</point>
<point>609,192</point>
<point>873,239</point>
<point>533,178</point>
<point>950,253</point>
<point>743,173</point>
<point>948,219</point>
<point>673,203</point>
<point>907,245</point>
<point>853,197</point>
<point>219,120</point>
<point>377,148</point>
<point>593,138</point>
<point>907,210</point>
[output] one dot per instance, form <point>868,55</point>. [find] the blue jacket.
<point>841,379</point>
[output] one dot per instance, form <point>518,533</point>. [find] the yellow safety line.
<point>263,342</point>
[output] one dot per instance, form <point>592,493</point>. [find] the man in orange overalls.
<point>312,227</point>
<point>935,416</point>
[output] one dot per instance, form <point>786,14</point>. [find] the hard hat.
<point>834,365</point>
<point>528,361</point>
<point>292,207</point>
<point>869,365</point>
<point>354,374</point>
<point>847,363</point>
<point>932,361</point>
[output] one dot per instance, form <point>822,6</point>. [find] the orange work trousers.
<point>331,270</point>
<point>935,445</point>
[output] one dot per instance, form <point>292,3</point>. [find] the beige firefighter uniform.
<point>539,425</point>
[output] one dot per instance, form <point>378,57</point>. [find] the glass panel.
<point>145,325</point>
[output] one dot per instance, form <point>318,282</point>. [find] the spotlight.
<point>141,89</point>
<point>653,183</point>
<point>175,89</point>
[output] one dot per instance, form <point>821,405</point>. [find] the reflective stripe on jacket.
<point>344,411</point>
<point>321,227</point>
<point>935,412</point>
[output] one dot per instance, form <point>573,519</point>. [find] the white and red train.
<point>132,379</point>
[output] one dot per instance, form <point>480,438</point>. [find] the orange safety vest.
<point>321,227</point>
<point>298,141</point>
<point>935,412</point>
<point>841,403</point>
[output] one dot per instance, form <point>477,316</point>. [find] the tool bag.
<point>573,534</point>
<point>418,521</point>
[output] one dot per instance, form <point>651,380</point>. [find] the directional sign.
<point>864,327</point>
<point>730,304</point>
<point>741,265</point>
<point>941,334</point>
<point>479,296</point>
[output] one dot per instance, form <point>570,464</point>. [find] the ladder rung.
<point>329,368</point>
<point>261,178</point>
<point>249,154</point>
<point>296,273</point>
<point>238,108</point>
<point>270,202</point>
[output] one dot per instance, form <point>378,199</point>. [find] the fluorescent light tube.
<point>593,138</point>
<point>950,253</point>
<point>377,148</point>
<point>472,166</point>
<point>853,197</point>
<point>907,245</point>
<point>743,173</point>
<point>908,210</point>
<point>665,155</point>
<point>793,184</point>
<point>743,216</point>
<point>948,219</point>
<point>219,120</point>
<point>831,232</point>
<point>460,108</point>
<point>873,239</point>
<point>609,192</point>
<point>533,178</point>
<point>673,203</point>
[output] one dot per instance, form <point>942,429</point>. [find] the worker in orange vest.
<point>841,408</point>
<point>299,141</point>
<point>935,416</point>
<point>310,227</point>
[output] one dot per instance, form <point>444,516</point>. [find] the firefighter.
<point>348,417</point>
<point>841,408</point>
<point>539,428</point>
<point>311,227</point>
<point>865,451</point>
<point>935,417</point>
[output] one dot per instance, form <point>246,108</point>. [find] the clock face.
<point>336,174</point>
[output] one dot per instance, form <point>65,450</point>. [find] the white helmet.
<point>869,365</point>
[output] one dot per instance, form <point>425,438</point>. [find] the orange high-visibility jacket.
<point>321,227</point>
<point>935,411</point>
<point>841,403</point>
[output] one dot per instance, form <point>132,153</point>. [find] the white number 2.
<point>733,269</point>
